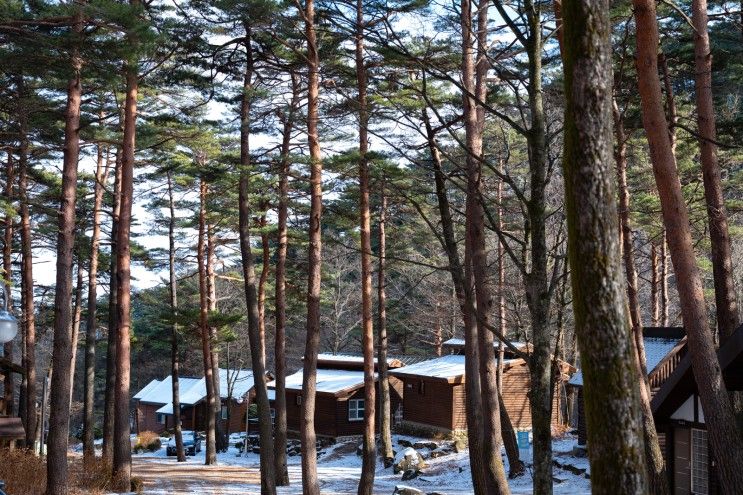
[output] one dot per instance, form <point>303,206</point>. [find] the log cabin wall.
<point>430,402</point>
<point>147,418</point>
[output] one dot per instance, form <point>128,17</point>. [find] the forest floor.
<point>338,471</point>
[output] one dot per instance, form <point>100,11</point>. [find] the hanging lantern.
<point>8,323</point>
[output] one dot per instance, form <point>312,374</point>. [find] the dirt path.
<point>166,476</point>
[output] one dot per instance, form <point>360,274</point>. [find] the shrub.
<point>147,440</point>
<point>15,467</point>
<point>93,478</point>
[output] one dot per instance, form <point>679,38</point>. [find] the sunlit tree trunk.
<point>385,404</point>
<point>206,344</point>
<point>656,465</point>
<point>369,447</point>
<point>474,71</point>
<point>101,174</point>
<point>109,399</point>
<point>310,483</point>
<point>280,426</point>
<point>718,411</point>
<point>122,448</point>
<point>257,346</point>
<point>722,266</point>
<point>174,359</point>
<point>27,282</point>
<point>61,384</point>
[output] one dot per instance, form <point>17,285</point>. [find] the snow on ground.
<point>338,471</point>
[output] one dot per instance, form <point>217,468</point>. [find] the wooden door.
<point>681,461</point>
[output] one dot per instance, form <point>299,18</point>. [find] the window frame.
<point>698,477</point>
<point>353,407</point>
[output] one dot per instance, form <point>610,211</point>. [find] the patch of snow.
<point>328,381</point>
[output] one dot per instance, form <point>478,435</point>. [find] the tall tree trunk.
<point>722,266</point>
<point>664,299</point>
<point>718,411</point>
<point>654,285</point>
<point>385,403</point>
<point>537,282</point>
<point>657,478</point>
<point>122,449</point>
<point>314,261</point>
<point>101,174</point>
<point>369,447</point>
<point>474,71</point>
<point>59,418</point>
<point>206,344</point>
<point>174,360</point>
<point>464,298</point>
<point>8,385</point>
<point>257,346</point>
<point>280,426</point>
<point>27,282</point>
<point>109,398</point>
<point>77,315</point>
<point>220,434</point>
<point>604,338</point>
<point>516,466</point>
<point>265,266</point>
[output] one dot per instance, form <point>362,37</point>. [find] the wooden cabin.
<point>456,346</point>
<point>154,406</point>
<point>339,403</point>
<point>679,419</point>
<point>664,349</point>
<point>434,393</point>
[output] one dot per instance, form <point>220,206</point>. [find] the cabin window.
<point>356,410</point>
<point>699,462</point>
<point>160,418</point>
<point>224,412</point>
<point>273,416</point>
<point>421,387</point>
<point>298,400</point>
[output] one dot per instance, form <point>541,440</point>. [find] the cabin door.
<point>682,461</point>
<point>690,462</point>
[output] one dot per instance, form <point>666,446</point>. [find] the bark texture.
<point>101,174</point>
<point>369,447</point>
<point>257,345</point>
<point>59,417</point>
<point>718,411</point>
<point>385,404</point>
<point>722,266</point>
<point>474,71</point>
<point>204,332</point>
<point>280,425</point>
<point>310,484</point>
<point>174,360</point>
<point>604,337</point>
<point>122,449</point>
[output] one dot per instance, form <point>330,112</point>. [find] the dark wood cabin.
<point>339,403</point>
<point>434,393</point>
<point>154,408</point>
<point>664,349</point>
<point>679,419</point>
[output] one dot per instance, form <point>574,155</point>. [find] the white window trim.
<point>356,409</point>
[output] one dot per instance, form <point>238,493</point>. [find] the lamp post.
<point>8,322</point>
<point>8,331</point>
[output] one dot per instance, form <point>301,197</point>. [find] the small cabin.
<point>339,403</point>
<point>664,349</point>
<point>154,403</point>
<point>679,418</point>
<point>434,393</point>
